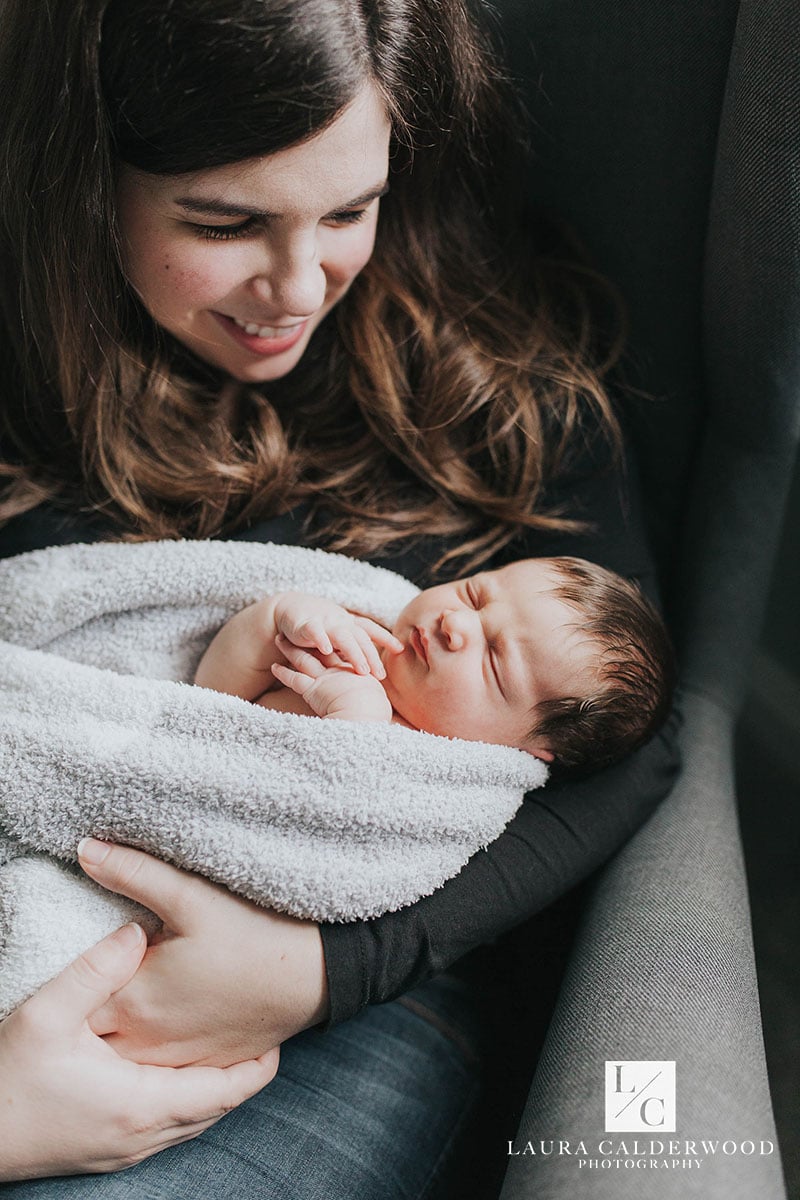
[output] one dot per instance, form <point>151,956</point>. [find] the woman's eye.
<point>224,233</point>
<point>472,594</point>
<point>350,216</point>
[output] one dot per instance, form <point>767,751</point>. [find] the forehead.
<point>532,607</point>
<point>526,581</point>
<point>326,173</point>
<point>546,629</point>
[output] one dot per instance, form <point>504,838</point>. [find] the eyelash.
<point>227,233</point>
<point>224,233</point>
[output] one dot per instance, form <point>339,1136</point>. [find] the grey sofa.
<point>668,133</point>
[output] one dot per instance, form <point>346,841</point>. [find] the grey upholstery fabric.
<point>662,970</point>
<point>671,138</point>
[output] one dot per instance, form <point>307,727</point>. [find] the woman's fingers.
<point>66,1002</point>
<point>204,1094</point>
<point>184,1101</point>
<point>132,873</point>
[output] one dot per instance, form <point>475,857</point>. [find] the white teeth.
<point>265,331</point>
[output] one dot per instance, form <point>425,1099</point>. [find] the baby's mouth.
<point>418,641</point>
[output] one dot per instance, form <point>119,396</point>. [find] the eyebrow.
<point>207,205</point>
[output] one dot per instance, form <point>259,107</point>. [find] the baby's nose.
<point>454,625</point>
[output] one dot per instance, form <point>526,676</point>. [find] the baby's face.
<point>482,651</point>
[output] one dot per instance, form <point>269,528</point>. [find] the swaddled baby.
<point>556,656</point>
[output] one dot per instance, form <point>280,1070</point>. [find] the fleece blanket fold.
<point>101,733</point>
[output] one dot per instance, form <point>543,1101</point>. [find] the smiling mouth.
<point>268,331</point>
<point>277,340</point>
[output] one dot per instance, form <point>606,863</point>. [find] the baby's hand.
<point>331,691</point>
<point>340,637</point>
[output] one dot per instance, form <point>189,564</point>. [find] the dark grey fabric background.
<point>667,133</point>
<point>768,781</point>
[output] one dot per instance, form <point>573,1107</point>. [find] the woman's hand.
<point>69,1104</point>
<point>225,982</point>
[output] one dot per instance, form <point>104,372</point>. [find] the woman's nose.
<point>294,283</point>
<point>456,627</point>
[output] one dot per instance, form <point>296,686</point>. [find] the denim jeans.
<point>369,1110</point>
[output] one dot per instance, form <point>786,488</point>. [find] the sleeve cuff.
<point>346,967</point>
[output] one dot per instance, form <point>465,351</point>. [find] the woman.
<point>210,331</point>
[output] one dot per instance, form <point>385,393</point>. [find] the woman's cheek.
<point>366,246</point>
<point>346,260</point>
<point>364,250</point>
<point>181,283</point>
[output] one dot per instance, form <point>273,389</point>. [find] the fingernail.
<point>128,936</point>
<point>92,851</point>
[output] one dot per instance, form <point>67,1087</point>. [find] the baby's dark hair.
<point>635,671</point>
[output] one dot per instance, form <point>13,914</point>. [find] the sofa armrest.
<point>662,970</point>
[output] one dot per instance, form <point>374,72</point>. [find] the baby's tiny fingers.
<point>295,680</point>
<point>380,635</point>
<point>350,647</point>
<point>371,653</point>
<point>301,660</point>
<point>314,631</point>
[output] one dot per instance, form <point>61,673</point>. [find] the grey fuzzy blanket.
<point>100,733</point>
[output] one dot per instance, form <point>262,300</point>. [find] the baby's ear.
<point>540,752</point>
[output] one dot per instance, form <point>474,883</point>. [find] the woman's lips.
<point>262,346</point>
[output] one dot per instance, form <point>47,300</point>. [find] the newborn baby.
<point>557,657</point>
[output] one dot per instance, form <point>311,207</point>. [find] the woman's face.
<point>241,263</point>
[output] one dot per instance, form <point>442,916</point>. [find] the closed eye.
<point>472,594</point>
<point>350,216</point>
<point>494,659</point>
<point>225,233</point>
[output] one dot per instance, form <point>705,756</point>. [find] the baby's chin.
<point>397,699</point>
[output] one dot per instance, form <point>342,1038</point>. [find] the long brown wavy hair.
<point>439,397</point>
